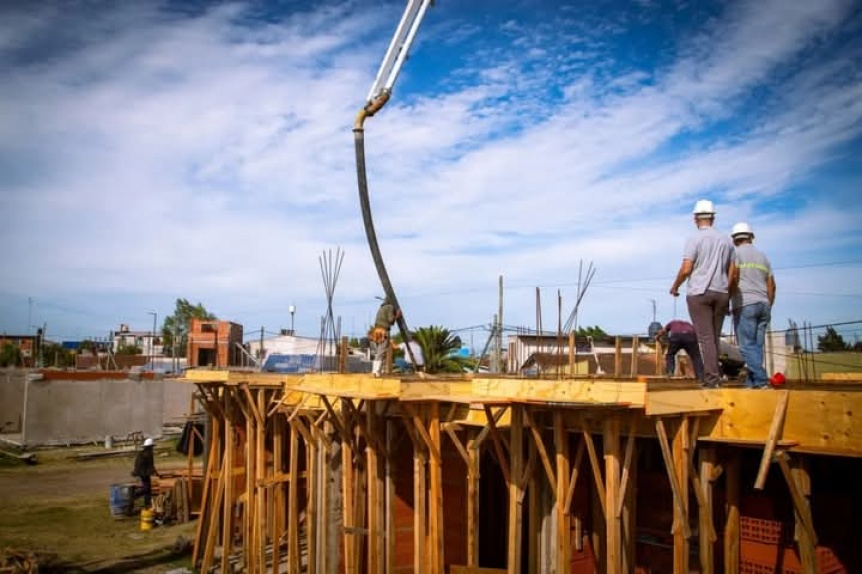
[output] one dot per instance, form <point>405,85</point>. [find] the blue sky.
<point>151,151</point>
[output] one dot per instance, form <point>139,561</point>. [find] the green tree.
<point>54,355</point>
<point>438,345</point>
<point>831,341</point>
<point>175,328</point>
<point>128,350</point>
<point>595,332</point>
<point>10,355</point>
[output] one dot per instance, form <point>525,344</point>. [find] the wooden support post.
<point>375,526</point>
<point>498,446</point>
<point>634,365</point>
<point>732,472</point>
<point>348,476</point>
<point>420,492</point>
<point>774,434</point>
<point>613,524</point>
<point>561,448</point>
<point>249,542</point>
<point>312,514</point>
<point>277,492</point>
<point>293,562</point>
<point>516,515</point>
<point>540,446</point>
<point>260,472</point>
<point>675,486</point>
<point>799,484</point>
<point>533,518</point>
<point>213,532</point>
<point>435,496</point>
<point>473,462</point>
<point>618,357</point>
<point>627,499</point>
<point>209,507</point>
<point>806,539</point>
<point>594,464</point>
<point>706,530</point>
<point>389,498</point>
<point>227,522</point>
<point>681,466</point>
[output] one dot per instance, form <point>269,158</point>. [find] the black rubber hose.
<point>371,235</point>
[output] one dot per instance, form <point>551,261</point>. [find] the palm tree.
<point>438,347</point>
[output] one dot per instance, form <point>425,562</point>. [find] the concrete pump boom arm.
<point>379,94</point>
<point>399,48</point>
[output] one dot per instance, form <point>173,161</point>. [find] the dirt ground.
<point>59,511</point>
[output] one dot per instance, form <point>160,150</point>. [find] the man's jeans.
<point>707,313</point>
<point>751,322</point>
<point>688,342</point>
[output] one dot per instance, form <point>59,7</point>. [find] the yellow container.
<point>146,519</point>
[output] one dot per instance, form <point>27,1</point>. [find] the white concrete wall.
<point>74,412</point>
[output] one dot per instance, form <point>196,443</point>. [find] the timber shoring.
<point>281,443</point>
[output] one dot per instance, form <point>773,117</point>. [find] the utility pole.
<point>500,329</point>
<point>260,351</point>
<point>153,340</point>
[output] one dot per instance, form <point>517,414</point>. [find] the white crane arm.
<point>398,49</point>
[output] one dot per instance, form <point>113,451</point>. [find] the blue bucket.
<point>122,500</point>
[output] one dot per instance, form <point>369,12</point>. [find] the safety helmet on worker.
<point>703,207</point>
<point>148,442</point>
<point>742,229</point>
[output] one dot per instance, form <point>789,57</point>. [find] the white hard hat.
<point>704,207</point>
<point>741,229</point>
<point>148,442</point>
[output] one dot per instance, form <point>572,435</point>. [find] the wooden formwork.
<point>346,473</point>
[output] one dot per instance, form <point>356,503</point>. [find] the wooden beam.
<point>516,515</point>
<point>293,550</point>
<point>800,503</point>
<point>498,444</point>
<point>732,481</point>
<point>573,479</point>
<point>227,522</point>
<point>423,432</point>
<point>627,463</point>
<point>676,490</point>
<point>774,434</point>
<point>540,446</point>
<point>457,442</point>
<point>806,539</point>
<point>594,464</point>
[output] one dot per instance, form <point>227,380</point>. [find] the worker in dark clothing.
<point>387,315</point>
<point>681,336</point>
<point>145,468</point>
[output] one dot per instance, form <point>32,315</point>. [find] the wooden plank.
<point>277,492</point>
<point>516,515</point>
<point>375,527</point>
<point>618,357</point>
<point>818,421</point>
<point>627,464</point>
<point>293,549</point>
<point>774,434</point>
<point>423,433</point>
<point>457,442</point>
<point>677,401</point>
<point>348,498</point>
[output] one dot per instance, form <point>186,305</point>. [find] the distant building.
<point>215,344</point>
<point>27,346</point>
<point>149,343</point>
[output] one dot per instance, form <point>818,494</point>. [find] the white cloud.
<point>211,157</point>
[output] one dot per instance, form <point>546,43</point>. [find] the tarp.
<point>277,363</point>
